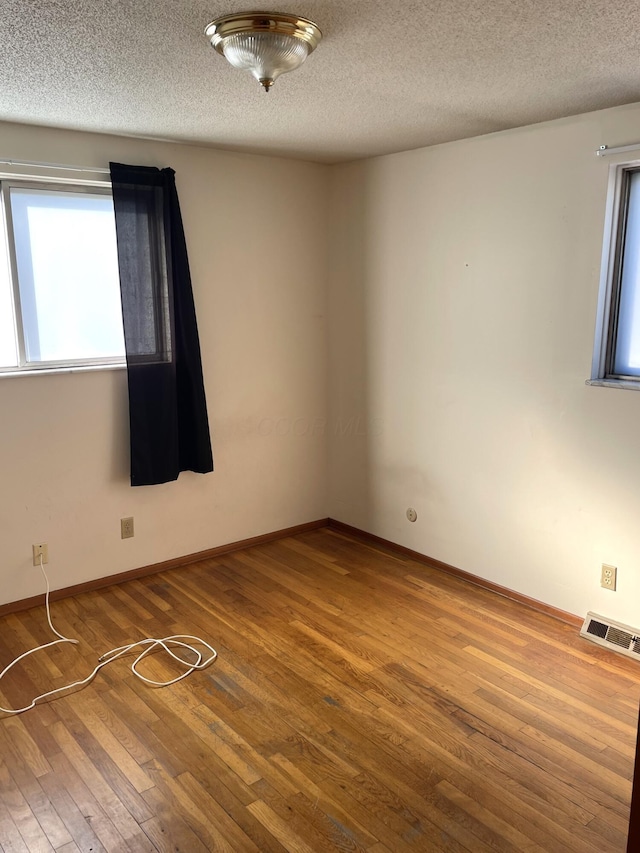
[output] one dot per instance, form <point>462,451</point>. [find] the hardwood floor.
<point>361,701</point>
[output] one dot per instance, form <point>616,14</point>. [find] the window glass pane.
<point>627,350</point>
<point>67,274</point>
<point>8,351</point>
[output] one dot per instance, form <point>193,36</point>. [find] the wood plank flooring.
<point>361,701</point>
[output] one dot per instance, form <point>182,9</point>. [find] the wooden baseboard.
<point>176,562</point>
<point>379,542</point>
<point>333,524</point>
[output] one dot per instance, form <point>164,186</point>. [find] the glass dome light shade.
<point>265,55</point>
<point>264,43</point>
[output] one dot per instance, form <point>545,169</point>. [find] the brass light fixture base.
<point>262,22</point>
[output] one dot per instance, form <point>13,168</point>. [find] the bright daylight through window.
<point>59,285</point>
<point>617,348</point>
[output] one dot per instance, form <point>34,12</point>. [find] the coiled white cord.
<point>149,645</point>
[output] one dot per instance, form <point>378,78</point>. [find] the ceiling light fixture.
<point>265,43</point>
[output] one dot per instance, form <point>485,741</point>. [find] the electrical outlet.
<point>40,550</point>
<point>412,515</point>
<point>126,528</point>
<point>608,577</point>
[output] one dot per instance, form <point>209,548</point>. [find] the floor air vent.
<point>612,635</point>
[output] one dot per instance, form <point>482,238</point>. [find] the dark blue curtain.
<point>167,405</point>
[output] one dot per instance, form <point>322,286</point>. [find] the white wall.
<point>464,282</point>
<point>256,234</point>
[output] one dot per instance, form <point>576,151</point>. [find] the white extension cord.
<point>150,644</point>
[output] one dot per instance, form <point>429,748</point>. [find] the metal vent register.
<point>612,635</point>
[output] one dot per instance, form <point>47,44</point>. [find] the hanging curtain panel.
<point>167,405</point>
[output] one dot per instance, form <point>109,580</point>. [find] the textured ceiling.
<point>389,75</point>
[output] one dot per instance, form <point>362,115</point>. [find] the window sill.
<point>79,368</point>
<point>626,384</point>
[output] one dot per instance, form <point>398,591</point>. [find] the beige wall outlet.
<point>41,550</point>
<point>608,577</point>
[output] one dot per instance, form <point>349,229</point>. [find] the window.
<point>59,284</point>
<point>617,347</point>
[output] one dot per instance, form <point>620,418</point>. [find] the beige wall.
<point>464,282</point>
<point>256,230</point>
<point>462,294</point>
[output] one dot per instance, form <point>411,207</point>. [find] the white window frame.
<point>610,280</point>
<point>44,182</point>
